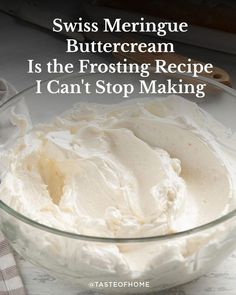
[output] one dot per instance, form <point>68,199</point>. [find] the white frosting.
<point>142,168</point>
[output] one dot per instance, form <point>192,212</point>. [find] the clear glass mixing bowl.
<point>66,254</point>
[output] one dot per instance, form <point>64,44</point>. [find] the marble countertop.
<point>19,42</point>
<point>221,281</point>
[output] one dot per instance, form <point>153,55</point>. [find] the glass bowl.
<point>72,256</point>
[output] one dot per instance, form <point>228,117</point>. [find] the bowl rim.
<point>76,236</point>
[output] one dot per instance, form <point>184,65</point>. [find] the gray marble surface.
<point>19,42</point>
<point>221,281</point>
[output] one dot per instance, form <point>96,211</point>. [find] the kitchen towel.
<point>10,281</point>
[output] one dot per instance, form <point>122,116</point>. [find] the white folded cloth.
<point>10,281</point>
